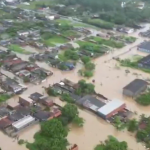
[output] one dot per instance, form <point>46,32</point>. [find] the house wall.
<point>129,93</point>
<point>143,50</point>
<point>115,111</point>
<point>112,113</point>
<point>24,102</point>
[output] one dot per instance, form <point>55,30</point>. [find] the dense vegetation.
<point>112,144</point>
<point>85,88</point>
<point>110,11</point>
<point>51,136</point>
<point>144,99</point>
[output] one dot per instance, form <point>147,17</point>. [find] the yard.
<point>107,42</point>
<point>70,33</point>
<point>4,97</point>
<point>55,40</point>
<point>36,4</point>
<point>63,21</point>
<point>18,49</point>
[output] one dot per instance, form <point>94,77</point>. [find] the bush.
<point>88,74</point>
<point>85,59</point>
<point>67,98</point>
<point>90,66</point>
<point>144,99</point>
<point>71,55</point>
<point>21,141</point>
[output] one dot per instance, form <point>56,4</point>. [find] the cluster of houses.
<point>145,34</point>
<point>27,111</point>
<point>23,69</point>
<point>96,103</point>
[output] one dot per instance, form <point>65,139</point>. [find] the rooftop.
<point>5,123</point>
<point>26,97</point>
<point>110,106</point>
<point>145,60</point>
<point>22,122</point>
<point>135,85</point>
<point>91,102</point>
<point>145,45</point>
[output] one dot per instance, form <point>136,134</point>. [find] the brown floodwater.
<point>110,80</point>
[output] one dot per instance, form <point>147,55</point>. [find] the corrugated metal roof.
<point>22,122</point>
<point>110,106</point>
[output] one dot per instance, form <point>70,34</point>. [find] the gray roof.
<point>91,102</point>
<point>145,45</point>
<point>135,85</point>
<point>145,61</point>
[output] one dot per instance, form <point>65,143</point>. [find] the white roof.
<point>110,106</point>
<point>23,122</point>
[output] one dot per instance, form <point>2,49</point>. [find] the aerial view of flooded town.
<point>74,74</point>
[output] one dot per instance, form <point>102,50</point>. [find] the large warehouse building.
<point>135,88</point>
<point>111,108</point>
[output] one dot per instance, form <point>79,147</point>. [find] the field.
<point>55,40</point>
<point>18,49</point>
<point>70,33</point>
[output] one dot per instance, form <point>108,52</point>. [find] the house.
<point>4,112</point>
<point>144,47</point>
<point>135,88</point>
<point>12,104</point>
<point>55,111</point>
<point>23,33</point>
<point>111,108</point>
<point>39,98</point>
<point>43,115</point>
<point>5,123</point>
<point>24,100</point>
<point>12,86</point>
<point>91,103</point>
<point>23,123</point>
<point>15,116</point>
<point>144,62</point>
<point>18,67</point>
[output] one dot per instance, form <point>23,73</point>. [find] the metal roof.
<point>110,106</point>
<point>23,122</point>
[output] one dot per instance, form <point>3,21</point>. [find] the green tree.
<point>66,97</point>
<point>70,111</point>
<point>88,73</point>
<point>70,54</point>
<point>85,59</point>
<point>51,92</point>
<point>132,125</point>
<point>78,121</point>
<point>90,66</point>
<point>53,129</point>
<point>141,135</point>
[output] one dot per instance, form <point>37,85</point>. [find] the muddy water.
<point>113,79</point>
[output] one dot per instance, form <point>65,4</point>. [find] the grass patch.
<point>55,40</point>
<point>18,49</point>
<point>70,33</point>
<point>84,25</point>
<point>63,21</point>
<point>132,64</point>
<point>111,43</point>
<point>36,4</point>
<point>4,97</point>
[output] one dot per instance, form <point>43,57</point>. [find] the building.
<point>25,100</point>
<point>91,102</point>
<point>39,98</point>
<point>144,62</point>
<point>111,108</point>
<point>4,123</point>
<point>144,47</point>
<point>23,123</point>
<point>134,88</point>
<point>43,115</point>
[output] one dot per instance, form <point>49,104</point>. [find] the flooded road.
<point>113,79</point>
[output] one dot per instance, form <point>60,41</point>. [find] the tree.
<point>84,88</point>
<point>85,59</point>
<point>88,73</point>
<point>53,129</point>
<point>51,92</point>
<point>78,121</point>
<point>112,144</point>
<point>90,66</point>
<point>141,135</point>
<point>26,79</point>
<point>71,55</point>
<point>70,111</point>
<point>66,97</point>
<point>132,125</point>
